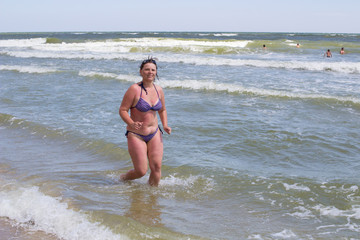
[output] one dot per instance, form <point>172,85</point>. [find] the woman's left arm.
<point>163,113</point>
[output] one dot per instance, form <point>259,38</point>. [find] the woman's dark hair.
<point>149,60</point>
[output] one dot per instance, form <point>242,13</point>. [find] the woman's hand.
<point>136,125</point>
<point>167,129</point>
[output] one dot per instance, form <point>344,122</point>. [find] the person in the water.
<point>342,51</point>
<point>328,53</point>
<point>144,136</point>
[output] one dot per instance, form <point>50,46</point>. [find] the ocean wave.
<point>234,88</point>
<point>178,45</point>
<point>125,49</point>
<point>22,43</point>
<point>285,234</point>
<point>94,146</point>
<point>301,200</point>
<point>29,207</point>
<point>342,67</point>
<point>333,211</point>
<point>296,186</point>
<point>321,66</point>
<point>10,121</point>
<point>225,34</point>
<point>53,40</point>
<point>27,69</point>
<point>101,75</point>
<point>130,45</point>
<point>224,87</point>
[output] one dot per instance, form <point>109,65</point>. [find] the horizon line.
<point>167,31</point>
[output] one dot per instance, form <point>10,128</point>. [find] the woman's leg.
<point>138,152</point>
<point>155,155</point>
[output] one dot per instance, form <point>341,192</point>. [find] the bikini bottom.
<point>146,138</point>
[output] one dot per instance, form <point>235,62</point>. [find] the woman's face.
<point>148,72</point>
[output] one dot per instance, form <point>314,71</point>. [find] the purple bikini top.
<point>144,106</point>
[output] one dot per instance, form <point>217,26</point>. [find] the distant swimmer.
<point>328,54</point>
<point>264,46</point>
<point>342,51</point>
<point>297,45</point>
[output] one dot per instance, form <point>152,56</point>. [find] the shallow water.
<point>265,143</point>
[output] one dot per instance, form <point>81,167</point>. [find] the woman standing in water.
<point>144,135</point>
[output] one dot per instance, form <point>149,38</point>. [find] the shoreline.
<point>8,231</point>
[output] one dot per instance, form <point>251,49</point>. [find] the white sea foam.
<point>344,67</point>
<point>177,181</point>
<point>234,88</point>
<point>285,234</point>
<point>168,42</point>
<point>100,74</point>
<point>225,34</point>
<point>332,211</point>
<point>174,180</point>
<point>31,208</point>
<point>255,236</point>
<point>123,45</point>
<point>296,186</point>
<point>22,43</point>
<point>62,55</point>
<point>302,213</point>
<point>112,51</point>
<point>230,88</point>
<point>27,69</point>
<point>353,188</point>
<point>121,49</point>
<point>128,78</point>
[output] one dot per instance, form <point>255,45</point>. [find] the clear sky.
<point>331,16</point>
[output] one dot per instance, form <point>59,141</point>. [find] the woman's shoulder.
<point>134,87</point>
<point>158,87</point>
<point>133,90</point>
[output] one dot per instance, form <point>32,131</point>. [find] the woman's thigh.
<point>138,151</point>
<point>155,150</point>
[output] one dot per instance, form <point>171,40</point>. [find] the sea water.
<point>265,142</point>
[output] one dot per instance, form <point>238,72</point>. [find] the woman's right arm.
<point>126,104</point>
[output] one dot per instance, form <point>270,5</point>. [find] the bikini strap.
<point>142,87</point>
<point>157,92</point>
